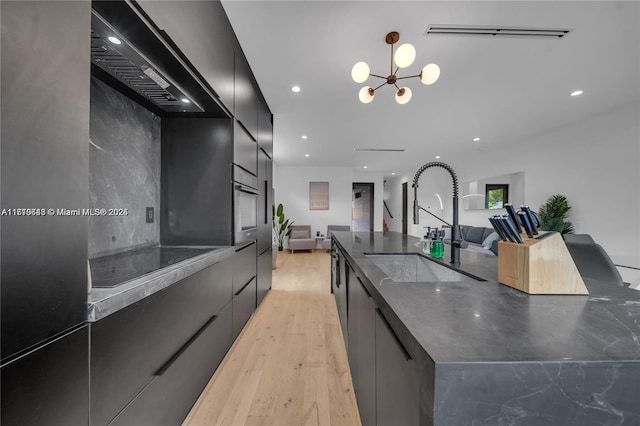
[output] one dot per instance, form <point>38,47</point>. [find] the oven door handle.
<point>247,191</point>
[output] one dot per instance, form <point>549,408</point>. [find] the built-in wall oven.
<point>245,206</point>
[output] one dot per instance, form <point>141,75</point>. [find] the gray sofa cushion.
<point>298,234</point>
<point>475,235</point>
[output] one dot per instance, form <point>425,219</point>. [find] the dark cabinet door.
<point>244,303</point>
<point>264,208</point>
<point>44,164</point>
<point>245,149</point>
<point>264,275</point>
<point>341,299</point>
<point>196,202</point>
<point>48,386</point>
<point>246,96</point>
<point>244,266</point>
<point>362,348</point>
<point>174,390</point>
<point>203,33</point>
<point>397,398</point>
<point>130,346</point>
<point>265,127</point>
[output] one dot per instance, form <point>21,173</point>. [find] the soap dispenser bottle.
<point>436,248</point>
<point>425,241</point>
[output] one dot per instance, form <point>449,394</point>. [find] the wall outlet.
<point>150,215</point>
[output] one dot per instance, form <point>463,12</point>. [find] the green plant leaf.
<point>279,211</point>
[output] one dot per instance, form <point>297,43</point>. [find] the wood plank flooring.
<point>289,365</point>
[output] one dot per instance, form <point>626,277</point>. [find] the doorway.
<point>362,207</point>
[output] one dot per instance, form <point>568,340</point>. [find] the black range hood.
<point>133,56</point>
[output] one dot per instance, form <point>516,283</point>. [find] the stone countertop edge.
<point>103,302</point>
<point>393,306</point>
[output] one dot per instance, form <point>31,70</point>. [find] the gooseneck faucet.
<point>456,240</point>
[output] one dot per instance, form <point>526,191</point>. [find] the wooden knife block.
<point>539,267</point>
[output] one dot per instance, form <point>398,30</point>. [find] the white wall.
<point>378,194</point>
<point>595,163</point>
<point>292,190</point>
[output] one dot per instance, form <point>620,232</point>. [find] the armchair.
<point>300,238</point>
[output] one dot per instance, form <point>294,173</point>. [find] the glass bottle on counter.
<point>436,247</point>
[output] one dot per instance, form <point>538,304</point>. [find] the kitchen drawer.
<point>131,345</point>
<point>265,261</point>
<point>245,149</point>
<point>244,303</point>
<point>244,266</point>
<point>177,386</point>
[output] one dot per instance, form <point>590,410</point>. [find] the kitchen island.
<point>478,352</point>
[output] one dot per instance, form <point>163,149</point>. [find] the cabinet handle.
<point>184,347</point>
<point>407,356</point>
<point>245,246</point>
<point>244,286</point>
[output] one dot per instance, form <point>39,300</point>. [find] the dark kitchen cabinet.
<point>130,347</point>
<point>245,149</point>
<point>362,347</point>
<point>246,95</point>
<point>340,293</point>
<point>49,385</point>
<point>244,266</point>
<point>265,127</point>
<point>397,388</point>
<point>244,303</point>
<point>203,33</point>
<point>172,393</point>
<point>196,191</point>
<point>44,165</point>
<point>265,202</point>
<point>264,275</point>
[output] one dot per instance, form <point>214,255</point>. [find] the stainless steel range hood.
<point>140,60</point>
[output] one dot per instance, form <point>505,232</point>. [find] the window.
<point>496,196</point>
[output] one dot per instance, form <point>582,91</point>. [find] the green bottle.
<point>436,248</point>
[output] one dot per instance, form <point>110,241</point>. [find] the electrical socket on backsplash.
<point>149,215</point>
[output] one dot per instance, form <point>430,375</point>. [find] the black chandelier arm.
<point>379,76</point>
<point>380,86</point>
<point>410,76</point>
<point>392,60</point>
<point>396,86</point>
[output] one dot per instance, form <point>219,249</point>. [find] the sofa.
<point>480,239</point>
<point>300,238</point>
<point>326,243</point>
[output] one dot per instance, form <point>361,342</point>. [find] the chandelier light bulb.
<point>366,94</point>
<point>430,74</point>
<point>360,72</point>
<point>405,55</point>
<point>403,95</point>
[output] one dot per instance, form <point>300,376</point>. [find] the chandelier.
<point>403,58</point>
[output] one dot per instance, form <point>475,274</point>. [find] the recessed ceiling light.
<point>476,139</point>
<point>437,157</point>
<point>185,100</point>
<point>476,315</point>
<point>304,136</point>
<point>306,155</point>
<point>577,93</point>
<point>364,167</point>
<point>114,40</point>
<point>295,89</point>
<point>393,174</point>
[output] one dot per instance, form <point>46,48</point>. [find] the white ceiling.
<point>501,90</point>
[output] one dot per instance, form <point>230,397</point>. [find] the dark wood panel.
<point>131,345</point>
<point>244,303</point>
<point>245,149</point>
<point>197,195</point>
<point>45,164</point>
<point>265,127</point>
<point>264,275</point>
<point>48,386</point>
<point>246,96</point>
<point>244,266</point>
<point>169,398</point>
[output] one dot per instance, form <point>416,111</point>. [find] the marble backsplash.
<point>124,166</point>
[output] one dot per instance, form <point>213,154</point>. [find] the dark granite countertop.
<point>123,279</point>
<point>487,322</point>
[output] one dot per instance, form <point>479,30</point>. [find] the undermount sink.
<point>413,267</point>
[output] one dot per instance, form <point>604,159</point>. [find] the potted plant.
<point>553,214</point>
<point>281,225</point>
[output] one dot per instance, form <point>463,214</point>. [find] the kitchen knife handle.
<point>512,228</point>
<point>512,214</point>
<point>527,210</point>
<point>524,219</point>
<point>498,229</point>
<point>500,221</point>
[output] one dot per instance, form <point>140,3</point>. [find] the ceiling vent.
<point>495,31</point>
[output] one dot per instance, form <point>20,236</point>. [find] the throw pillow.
<point>298,234</point>
<point>474,235</point>
<point>490,239</point>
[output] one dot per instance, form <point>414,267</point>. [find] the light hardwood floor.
<point>289,365</point>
